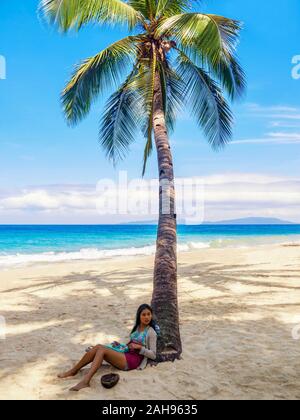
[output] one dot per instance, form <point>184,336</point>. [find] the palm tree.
<point>172,59</point>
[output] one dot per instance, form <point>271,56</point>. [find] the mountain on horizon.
<point>252,221</point>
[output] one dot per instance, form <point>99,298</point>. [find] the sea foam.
<point>85,254</point>
<point>88,254</point>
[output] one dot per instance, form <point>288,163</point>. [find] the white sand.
<point>237,307</point>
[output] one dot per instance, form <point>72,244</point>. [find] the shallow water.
<point>21,244</point>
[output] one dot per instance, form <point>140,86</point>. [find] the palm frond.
<point>173,93</point>
<point>227,68</point>
<point>210,42</point>
<point>230,73</point>
<point>95,75</point>
<point>149,102</point>
<point>209,33</point>
<point>208,105</point>
<point>121,121</point>
<point>72,14</point>
<point>143,83</point>
<point>168,8</point>
<point>146,7</point>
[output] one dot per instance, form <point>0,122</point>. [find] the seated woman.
<point>133,355</point>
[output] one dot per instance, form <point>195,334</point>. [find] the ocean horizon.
<point>27,244</point>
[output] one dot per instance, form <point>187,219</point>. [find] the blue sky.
<point>40,153</point>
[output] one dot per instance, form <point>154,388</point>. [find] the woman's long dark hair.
<point>153,323</point>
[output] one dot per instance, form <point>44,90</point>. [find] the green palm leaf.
<point>121,121</point>
<point>227,68</point>
<point>149,102</point>
<point>143,83</point>
<point>230,73</point>
<point>72,14</point>
<point>208,105</point>
<point>95,75</point>
<point>209,41</point>
<point>209,33</point>
<point>147,96</point>
<point>146,7</point>
<point>168,8</point>
<point>173,92</point>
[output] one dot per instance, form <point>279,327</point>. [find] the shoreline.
<point>238,308</point>
<point>90,255</point>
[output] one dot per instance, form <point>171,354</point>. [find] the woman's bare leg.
<point>111,356</point>
<point>86,359</point>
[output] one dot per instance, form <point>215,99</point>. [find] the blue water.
<point>30,243</point>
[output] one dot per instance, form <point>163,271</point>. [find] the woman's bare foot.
<point>71,372</point>
<point>81,385</point>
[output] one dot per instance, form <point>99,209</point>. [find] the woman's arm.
<point>150,353</point>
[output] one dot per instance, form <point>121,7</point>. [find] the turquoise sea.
<point>22,244</point>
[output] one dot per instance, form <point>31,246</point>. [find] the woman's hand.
<point>135,346</point>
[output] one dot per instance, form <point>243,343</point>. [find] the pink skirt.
<point>133,359</point>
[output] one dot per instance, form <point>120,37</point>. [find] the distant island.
<point>251,221</point>
<point>243,221</point>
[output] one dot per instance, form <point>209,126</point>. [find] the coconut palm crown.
<point>194,54</point>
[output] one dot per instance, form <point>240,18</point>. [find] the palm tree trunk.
<point>164,299</point>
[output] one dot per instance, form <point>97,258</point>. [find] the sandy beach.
<point>238,308</point>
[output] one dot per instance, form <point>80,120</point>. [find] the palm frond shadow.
<point>65,330</point>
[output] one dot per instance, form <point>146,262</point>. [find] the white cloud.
<point>272,138</point>
<point>245,178</point>
<point>283,135</point>
<point>286,116</point>
<point>226,196</point>
<point>277,112</point>
<point>265,140</point>
<point>48,200</point>
<point>260,109</point>
<point>284,124</point>
<point>276,116</point>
